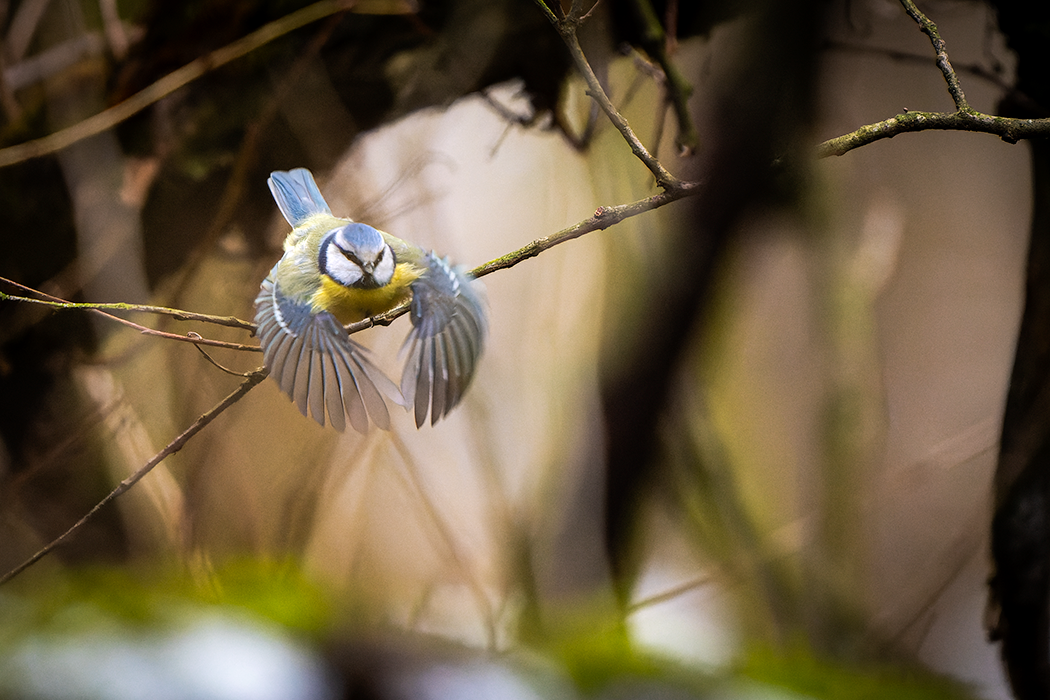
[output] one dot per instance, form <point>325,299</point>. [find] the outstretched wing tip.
<point>449,326</point>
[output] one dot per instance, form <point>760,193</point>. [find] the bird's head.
<point>356,255</point>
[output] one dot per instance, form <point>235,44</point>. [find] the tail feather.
<point>297,195</point>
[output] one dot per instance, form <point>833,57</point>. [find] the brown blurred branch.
<point>171,448</point>
<point>193,70</point>
<point>678,90</point>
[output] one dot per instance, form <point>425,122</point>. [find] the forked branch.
<point>964,118</point>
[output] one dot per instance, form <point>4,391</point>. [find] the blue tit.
<point>335,271</point>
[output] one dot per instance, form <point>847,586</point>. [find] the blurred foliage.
<point>801,670</point>
<point>151,596</point>
<point>135,607</point>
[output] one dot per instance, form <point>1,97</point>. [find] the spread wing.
<point>317,364</point>
<point>448,331</point>
<point>297,195</point>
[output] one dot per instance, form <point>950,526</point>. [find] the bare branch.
<point>171,448</point>
<point>213,361</point>
<point>940,48</point>
<point>548,12</point>
<point>566,27</point>
<point>965,118</point>
<point>55,302</point>
<point>177,314</point>
<point>603,218</point>
<point>1008,129</point>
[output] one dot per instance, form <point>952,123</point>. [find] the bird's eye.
<point>349,256</point>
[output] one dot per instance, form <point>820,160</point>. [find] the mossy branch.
<point>100,309</point>
<point>1008,129</point>
<point>964,118</point>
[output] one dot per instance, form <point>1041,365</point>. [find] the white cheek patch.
<point>385,269</point>
<point>343,271</point>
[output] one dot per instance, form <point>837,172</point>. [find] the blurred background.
<point>739,446</point>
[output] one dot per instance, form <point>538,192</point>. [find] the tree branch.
<point>940,48</point>
<point>196,339</point>
<point>603,218</point>
<point>1008,129</point>
<point>965,118</point>
<point>567,27</point>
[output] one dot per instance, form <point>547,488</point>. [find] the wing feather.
<point>352,399</point>
<point>333,393</point>
<point>423,378</point>
<point>448,333</point>
<point>439,379</point>
<point>314,361</point>
<point>315,394</point>
<point>370,393</point>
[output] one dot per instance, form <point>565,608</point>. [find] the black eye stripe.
<point>349,255</point>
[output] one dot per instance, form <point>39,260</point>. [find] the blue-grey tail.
<point>297,195</point>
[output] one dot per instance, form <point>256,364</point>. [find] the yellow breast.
<point>351,305</point>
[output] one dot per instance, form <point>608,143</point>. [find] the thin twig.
<point>940,48</point>
<point>603,218</point>
<point>171,448</point>
<point>677,88</point>
<point>567,27</point>
<point>193,70</point>
<point>177,314</point>
<point>669,594</point>
<point>195,338</point>
<point>212,360</point>
<point>548,12</point>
